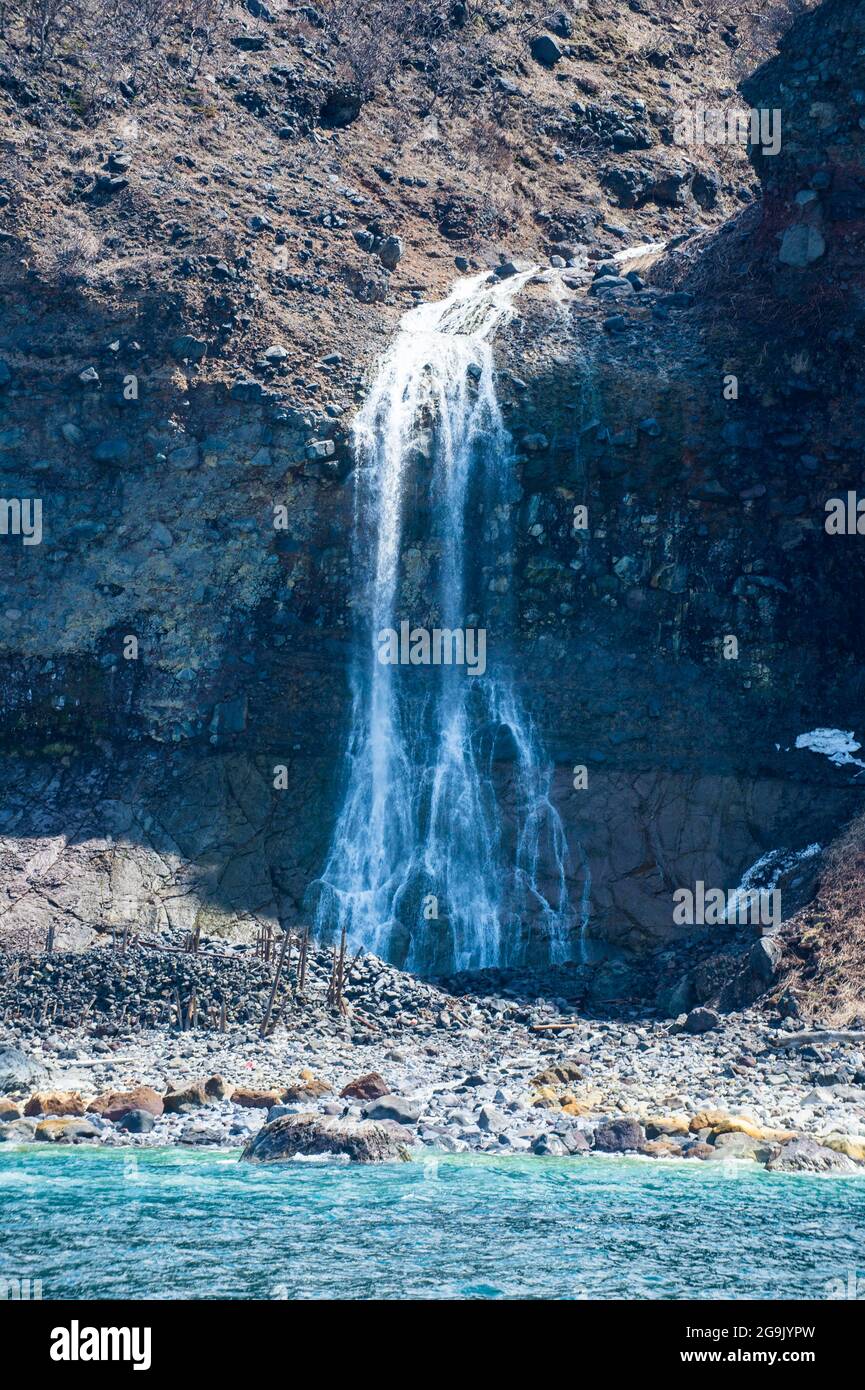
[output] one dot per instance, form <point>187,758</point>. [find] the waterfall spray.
<point>447,852</point>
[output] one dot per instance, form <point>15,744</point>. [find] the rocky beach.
<point>424,1070</point>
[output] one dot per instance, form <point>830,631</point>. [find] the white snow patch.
<point>645,248</point>
<point>837,745</point>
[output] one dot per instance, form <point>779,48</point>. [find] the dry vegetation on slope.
<point>218,162</point>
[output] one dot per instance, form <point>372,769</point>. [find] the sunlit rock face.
<point>669,642</point>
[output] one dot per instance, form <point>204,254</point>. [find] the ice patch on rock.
<point>837,745</point>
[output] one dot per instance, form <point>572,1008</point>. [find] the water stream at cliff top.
<point>447,852</point>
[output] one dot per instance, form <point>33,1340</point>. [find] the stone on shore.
<point>558,1075</point>
<point>18,1072</point>
<point>252,1099</point>
<point>113,1105</point>
<point>187,1098</point>
<point>368,1087</point>
<point>664,1147</point>
<point>736,1144</point>
<point>66,1130</point>
<point>17,1132</point>
<point>362,1141</point>
<point>620,1136</point>
<point>707,1119</point>
<point>399,1108</point>
<point>806,1155</point>
<point>309,1087</point>
<point>9,1111</point>
<point>850,1144</point>
<point>54,1103</point>
<point>137,1122</point>
<point>698,1150</point>
<point>702,1021</point>
<point>660,1126</point>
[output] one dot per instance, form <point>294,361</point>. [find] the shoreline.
<point>492,1087</point>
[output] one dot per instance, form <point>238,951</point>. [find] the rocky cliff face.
<point>175,650</point>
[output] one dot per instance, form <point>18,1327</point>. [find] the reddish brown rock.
<point>55,1103</point>
<point>113,1105</point>
<point>369,1087</point>
<point>699,1150</point>
<point>306,1090</point>
<point>255,1100</point>
<point>186,1098</point>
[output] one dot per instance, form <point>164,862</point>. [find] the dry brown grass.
<point>826,940</point>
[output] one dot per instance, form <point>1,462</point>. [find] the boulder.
<point>662,1148</point>
<point>659,1126</point>
<point>114,450</point>
<point>515,266</point>
<point>17,1132</point>
<point>361,1141</point>
<point>545,50</point>
<point>113,1105</point>
<point>390,252</point>
<point>491,1121</point>
<point>18,1072</point>
<point>801,245</point>
<point>549,1146</point>
<point>55,1103</point>
<point>309,1087</point>
<point>620,1136</point>
<point>187,1098</point>
<point>399,1108</point>
<point>707,1119</point>
<point>698,1150</point>
<point>137,1122</point>
<point>368,1087</point>
<point>765,959</point>
<point>702,1021</point>
<point>255,1100</point>
<point>735,1144</point>
<point>188,348</point>
<point>806,1155</point>
<point>741,1124</point>
<point>65,1130</point>
<point>9,1111</point>
<point>198,1131</point>
<point>850,1144</point>
<point>558,1074</point>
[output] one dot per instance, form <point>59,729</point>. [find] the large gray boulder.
<point>807,1156</point>
<point>399,1108</point>
<point>362,1141</point>
<point>17,1132</point>
<point>18,1072</point>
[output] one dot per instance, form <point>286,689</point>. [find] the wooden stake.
<point>304,952</point>
<point>266,1020</point>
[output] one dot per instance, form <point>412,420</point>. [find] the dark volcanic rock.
<point>361,1140</point>
<point>368,1087</point>
<point>619,1136</point>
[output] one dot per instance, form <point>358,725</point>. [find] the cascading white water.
<point>448,852</point>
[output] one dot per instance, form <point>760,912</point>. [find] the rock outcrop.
<point>307,1135</point>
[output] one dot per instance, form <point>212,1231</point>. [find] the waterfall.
<point>447,852</point>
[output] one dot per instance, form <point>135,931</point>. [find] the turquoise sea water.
<point>97,1223</point>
